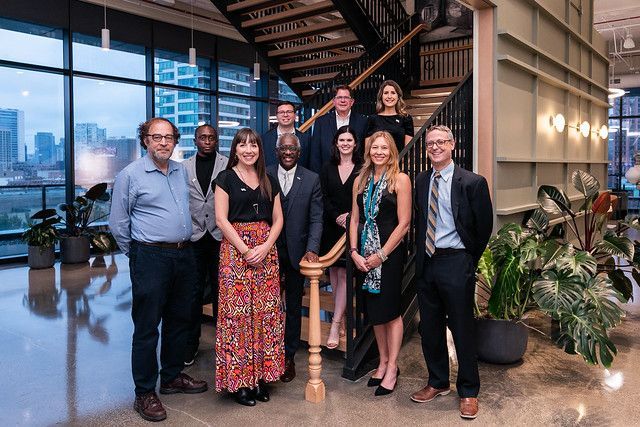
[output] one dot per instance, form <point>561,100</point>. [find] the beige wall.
<point>547,60</point>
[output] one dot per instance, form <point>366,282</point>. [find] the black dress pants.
<point>162,283</point>
<point>446,289</point>
<point>294,287</point>
<point>207,256</point>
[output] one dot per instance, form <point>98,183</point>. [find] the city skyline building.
<point>45,148</point>
<point>12,147</point>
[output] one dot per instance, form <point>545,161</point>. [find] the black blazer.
<point>324,130</point>
<point>471,207</point>
<point>302,229</point>
<point>269,140</point>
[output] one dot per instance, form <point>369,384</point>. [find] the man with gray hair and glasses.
<point>453,225</point>
<point>151,223</point>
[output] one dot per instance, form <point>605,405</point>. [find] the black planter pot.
<point>41,256</point>
<point>501,341</point>
<point>74,250</point>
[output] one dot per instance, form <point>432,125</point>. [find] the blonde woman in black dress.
<point>336,179</point>
<point>380,217</point>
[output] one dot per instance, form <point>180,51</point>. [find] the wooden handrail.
<point>384,58</point>
<point>446,50</point>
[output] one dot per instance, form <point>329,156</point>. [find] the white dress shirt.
<point>342,122</point>
<point>286,178</point>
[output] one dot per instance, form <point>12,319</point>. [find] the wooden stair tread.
<point>324,334</point>
<point>308,92</point>
<point>314,78</point>
<point>297,33</point>
<point>291,15</point>
<point>247,6</point>
<point>442,81</point>
<point>321,62</point>
<point>338,42</point>
<point>425,100</point>
<point>326,300</point>
<point>432,91</point>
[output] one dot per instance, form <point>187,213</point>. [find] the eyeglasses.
<point>292,148</point>
<point>211,138</point>
<point>342,98</point>
<point>282,113</point>
<point>156,137</point>
<point>437,143</point>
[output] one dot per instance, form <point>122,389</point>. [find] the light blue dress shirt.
<point>149,206</point>
<point>446,234</point>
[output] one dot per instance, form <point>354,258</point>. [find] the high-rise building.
<point>13,147</point>
<point>45,148</point>
<point>89,135</point>
<point>5,149</point>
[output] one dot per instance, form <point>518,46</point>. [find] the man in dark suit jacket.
<point>324,129</point>
<point>299,240</point>
<point>454,222</point>
<point>286,116</point>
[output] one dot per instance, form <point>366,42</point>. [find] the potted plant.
<point>535,267</point>
<point>77,218</point>
<point>41,236</point>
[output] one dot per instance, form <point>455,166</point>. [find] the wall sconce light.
<point>585,128</point>
<point>106,37</point>
<point>603,133</point>
<point>558,122</point>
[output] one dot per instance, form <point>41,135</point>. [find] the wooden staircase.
<point>306,42</point>
<point>422,103</point>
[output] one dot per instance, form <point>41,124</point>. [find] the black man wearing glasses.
<point>151,223</point>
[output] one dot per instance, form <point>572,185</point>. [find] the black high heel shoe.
<point>375,382</point>
<point>244,397</point>
<point>261,392</point>
<point>382,391</point>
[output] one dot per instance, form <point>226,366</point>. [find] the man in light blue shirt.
<point>151,223</point>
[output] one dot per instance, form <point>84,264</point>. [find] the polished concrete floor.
<point>65,337</point>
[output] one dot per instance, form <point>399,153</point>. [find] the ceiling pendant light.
<point>192,50</point>
<point>256,68</point>
<point>106,37</point>
<point>628,41</point>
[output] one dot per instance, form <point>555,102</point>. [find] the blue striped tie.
<point>432,216</point>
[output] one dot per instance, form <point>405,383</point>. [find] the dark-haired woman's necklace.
<point>244,181</point>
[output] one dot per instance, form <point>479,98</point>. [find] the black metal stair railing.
<point>372,20</point>
<point>456,112</point>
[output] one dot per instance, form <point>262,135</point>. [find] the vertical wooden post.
<point>315,391</point>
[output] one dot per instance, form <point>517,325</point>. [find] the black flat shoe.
<point>243,397</point>
<point>261,392</point>
<point>375,382</point>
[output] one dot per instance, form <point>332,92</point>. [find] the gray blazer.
<point>203,216</point>
<point>302,211</point>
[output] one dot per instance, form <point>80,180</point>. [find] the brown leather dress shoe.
<point>289,371</point>
<point>469,407</point>
<point>183,383</point>
<point>149,407</point>
<point>429,393</point>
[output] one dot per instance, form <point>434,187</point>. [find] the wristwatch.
<point>352,250</point>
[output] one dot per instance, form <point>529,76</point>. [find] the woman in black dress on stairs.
<point>336,179</point>
<point>391,115</point>
<point>380,217</point>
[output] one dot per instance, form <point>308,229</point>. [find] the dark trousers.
<point>446,289</point>
<point>207,257</point>
<point>294,287</point>
<point>162,287</point>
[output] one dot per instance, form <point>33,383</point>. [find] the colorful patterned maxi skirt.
<point>250,328</point>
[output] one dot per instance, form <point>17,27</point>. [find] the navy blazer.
<point>471,207</point>
<point>302,229</point>
<point>269,140</point>
<point>324,130</point>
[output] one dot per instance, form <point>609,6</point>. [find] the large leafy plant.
<point>535,267</point>
<point>78,215</point>
<point>41,231</point>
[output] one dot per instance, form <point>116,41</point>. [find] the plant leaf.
<point>621,283</point>
<point>96,191</point>
<point>615,245</point>
<point>580,263</point>
<point>554,200</point>
<point>486,267</point>
<point>556,291</point>
<point>585,183</point>
<point>636,276</point>
<point>600,293</point>
<point>538,220</point>
<point>502,304</point>
<point>44,214</point>
<point>602,204</point>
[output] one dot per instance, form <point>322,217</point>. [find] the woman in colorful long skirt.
<point>250,327</point>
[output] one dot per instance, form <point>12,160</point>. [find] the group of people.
<point>244,223</point>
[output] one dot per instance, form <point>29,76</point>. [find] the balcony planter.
<point>41,256</point>
<point>501,341</point>
<point>74,249</point>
